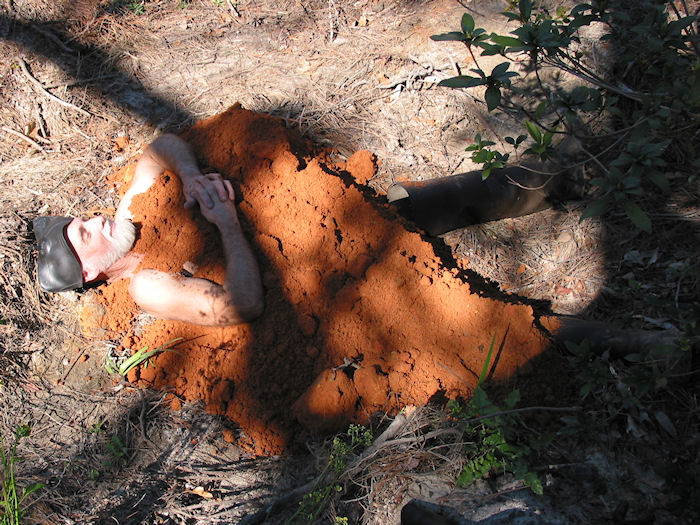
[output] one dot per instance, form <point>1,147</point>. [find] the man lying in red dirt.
<point>76,251</point>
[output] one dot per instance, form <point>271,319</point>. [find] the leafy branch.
<point>653,98</point>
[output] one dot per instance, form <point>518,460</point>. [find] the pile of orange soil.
<point>360,314</point>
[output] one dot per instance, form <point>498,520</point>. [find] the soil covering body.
<point>361,316</point>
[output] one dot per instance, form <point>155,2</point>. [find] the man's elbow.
<point>238,312</point>
<point>252,310</point>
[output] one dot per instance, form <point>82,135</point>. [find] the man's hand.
<point>215,197</point>
<point>197,190</point>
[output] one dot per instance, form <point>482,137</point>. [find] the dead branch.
<point>24,137</point>
<point>44,92</point>
<point>52,37</point>
<point>233,8</point>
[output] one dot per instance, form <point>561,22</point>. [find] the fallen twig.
<point>48,34</point>
<point>233,8</point>
<point>70,368</point>
<point>24,137</point>
<point>43,91</point>
<point>516,183</point>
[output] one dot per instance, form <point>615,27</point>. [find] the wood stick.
<point>24,137</point>
<point>52,37</point>
<point>43,91</point>
<point>233,9</point>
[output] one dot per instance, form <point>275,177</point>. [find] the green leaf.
<point>532,481</point>
<point>452,36</point>
<point>595,208</point>
<point>31,489</point>
<point>659,179</point>
<point>637,216</point>
<point>666,423</point>
<point>513,398</point>
<point>510,16</point>
<point>540,109</point>
<point>110,366</point>
<point>585,390</point>
<point>485,369</point>
<point>467,23</point>
<point>465,478</point>
<point>502,40</point>
<point>534,131</point>
<point>679,25</point>
<point>479,72</point>
<point>489,49</point>
<point>525,9</point>
<point>500,69</point>
<point>493,97</point>
<point>23,431</point>
<point>462,81</point>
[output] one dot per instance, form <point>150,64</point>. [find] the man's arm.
<point>167,152</point>
<point>200,301</point>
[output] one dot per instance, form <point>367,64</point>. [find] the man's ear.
<point>89,274</point>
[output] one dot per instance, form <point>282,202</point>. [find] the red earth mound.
<point>361,315</point>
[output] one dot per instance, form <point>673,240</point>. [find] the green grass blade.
<point>141,356</point>
<point>485,370</point>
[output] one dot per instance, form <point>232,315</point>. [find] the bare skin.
<point>238,300</point>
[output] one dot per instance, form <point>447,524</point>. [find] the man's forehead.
<point>73,231</point>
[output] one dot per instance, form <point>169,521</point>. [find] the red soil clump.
<point>360,314</point>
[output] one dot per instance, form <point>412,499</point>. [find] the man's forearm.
<point>243,284</point>
<point>167,152</point>
<point>172,153</point>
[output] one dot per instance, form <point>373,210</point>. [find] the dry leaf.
<point>201,492</point>
<point>120,143</point>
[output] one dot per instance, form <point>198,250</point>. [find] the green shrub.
<point>651,96</point>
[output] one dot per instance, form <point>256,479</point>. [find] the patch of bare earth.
<point>86,84</point>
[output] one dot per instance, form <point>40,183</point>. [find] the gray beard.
<point>124,237</point>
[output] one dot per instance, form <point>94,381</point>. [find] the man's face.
<point>99,243</point>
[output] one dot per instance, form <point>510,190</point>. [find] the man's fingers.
<point>222,185</point>
<point>210,187</point>
<point>229,188</point>
<point>219,187</point>
<point>202,193</point>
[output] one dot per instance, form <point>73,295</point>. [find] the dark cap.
<point>59,266</point>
